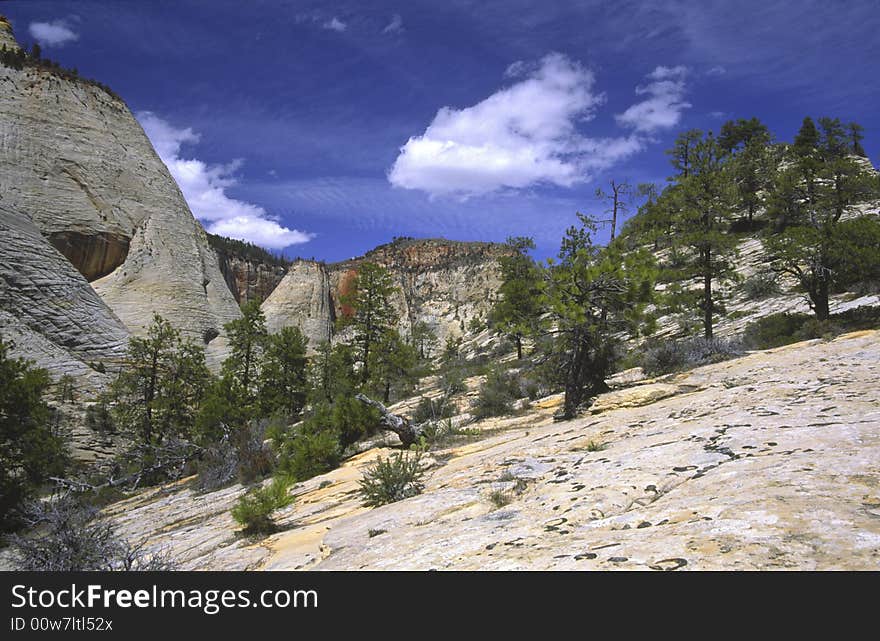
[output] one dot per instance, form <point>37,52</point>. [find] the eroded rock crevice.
<point>94,255</point>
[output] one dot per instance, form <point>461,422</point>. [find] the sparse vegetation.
<point>433,409</point>
<point>392,479</point>
<point>254,509</point>
<point>500,498</point>
<point>665,357</point>
<point>497,394</point>
<point>760,286</point>
<point>68,536</point>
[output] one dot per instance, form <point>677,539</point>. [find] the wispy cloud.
<point>204,188</point>
<point>530,132</point>
<point>395,26</point>
<point>335,24</point>
<point>52,34</point>
<point>663,105</point>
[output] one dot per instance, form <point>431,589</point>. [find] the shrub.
<point>244,456</point>
<point>500,498</point>
<point>672,356</point>
<point>307,454</point>
<point>760,286</point>
<point>432,410</point>
<point>69,538</point>
<point>393,479</point>
<point>774,330</point>
<point>497,394</point>
<point>254,509</point>
<point>452,380</point>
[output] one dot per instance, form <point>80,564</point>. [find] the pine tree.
<point>812,202</point>
<point>373,315</point>
<point>161,384</point>
<point>701,205</point>
<point>247,341</point>
<point>30,449</point>
<point>518,311</point>
<point>595,294</point>
<point>856,135</point>
<point>283,380</point>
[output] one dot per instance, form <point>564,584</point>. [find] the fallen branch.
<point>405,429</point>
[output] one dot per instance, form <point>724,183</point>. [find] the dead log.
<point>405,429</point>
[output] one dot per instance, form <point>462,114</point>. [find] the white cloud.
<point>519,136</point>
<point>717,70</point>
<point>52,34</point>
<point>335,24</point>
<point>529,132</point>
<point>204,188</point>
<point>395,26</point>
<point>663,105</point>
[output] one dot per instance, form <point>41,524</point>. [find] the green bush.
<point>452,380</point>
<point>497,394</point>
<point>307,454</point>
<point>665,357</point>
<point>254,509</point>
<point>393,479</point>
<point>761,285</point>
<point>774,330</point>
<point>432,410</point>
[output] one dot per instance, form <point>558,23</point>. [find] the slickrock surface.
<point>768,461</point>
<point>76,165</point>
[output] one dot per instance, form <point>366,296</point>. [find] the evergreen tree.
<point>423,339</point>
<point>394,365</point>
<point>159,389</point>
<point>518,311</point>
<point>595,295</point>
<point>30,449</point>
<point>813,200</point>
<point>681,153</point>
<point>373,314</point>
<point>856,135</point>
<point>247,341</point>
<point>283,380</point>
<point>807,138</point>
<point>753,164</point>
<point>701,205</point>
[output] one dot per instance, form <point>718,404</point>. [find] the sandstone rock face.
<point>7,39</point>
<point>249,279</point>
<point>768,461</point>
<point>302,299</point>
<point>49,310</point>
<point>442,283</point>
<point>77,165</point>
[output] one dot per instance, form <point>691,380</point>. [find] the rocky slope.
<point>442,283</point>
<point>77,167</point>
<point>768,461</point>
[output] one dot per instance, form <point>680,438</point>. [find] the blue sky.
<point>325,128</point>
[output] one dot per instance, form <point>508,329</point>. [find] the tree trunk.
<point>707,294</point>
<point>400,425</point>
<point>821,305</point>
<point>518,340</point>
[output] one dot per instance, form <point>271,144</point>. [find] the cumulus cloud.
<point>52,34</point>
<point>663,104</point>
<point>395,26</point>
<point>521,135</point>
<point>529,133</point>
<point>204,188</point>
<point>335,24</point>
